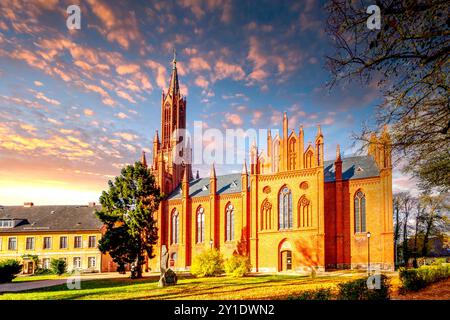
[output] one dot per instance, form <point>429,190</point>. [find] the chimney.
<point>28,204</point>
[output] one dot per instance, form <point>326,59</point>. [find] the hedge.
<point>9,269</point>
<point>358,289</point>
<point>418,278</point>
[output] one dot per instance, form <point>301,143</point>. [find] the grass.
<point>254,287</point>
<point>39,277</point>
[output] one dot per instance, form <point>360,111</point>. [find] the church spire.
<point>143,159</point>
<point>174,87</point>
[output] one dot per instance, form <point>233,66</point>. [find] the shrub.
<point>418,278</point>
<point>58,266</point>
<point>317,294</point>
<point>439,261</point>
<point>9,269</point>
<point>209,263</point>
<point>359,290</point>
<point>237,266</point>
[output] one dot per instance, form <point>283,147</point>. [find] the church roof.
<point>50,218</point>
<point>355,167</point>
<point>230,183</point>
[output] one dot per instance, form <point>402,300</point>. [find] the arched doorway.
<point>286,260</point>
<point>285,257</point>
<point>173,260</point>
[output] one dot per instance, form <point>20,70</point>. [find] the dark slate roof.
<point>355,167</point>
<point>51,218</point>
<point>230,183</point>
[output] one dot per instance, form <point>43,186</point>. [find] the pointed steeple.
<point>174,87</point>
<point>244,168</point>
<point>143,159</point>
<point>338,164</point>
<point>212,173</point>
<point>319,131</point>
<point>156,137</point>
<point>186,175</point>
<point>338,153</point>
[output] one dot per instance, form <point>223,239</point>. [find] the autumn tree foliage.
<point>408,59</point>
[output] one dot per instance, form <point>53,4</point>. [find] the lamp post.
<point>368,252</point>
<point>211,243</point>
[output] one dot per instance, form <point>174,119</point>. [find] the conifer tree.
<point>128,209</point>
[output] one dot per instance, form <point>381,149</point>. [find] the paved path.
<point>38,284</point>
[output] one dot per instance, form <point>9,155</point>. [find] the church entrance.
<point>286,260</point>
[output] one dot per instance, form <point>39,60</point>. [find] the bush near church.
<point>418,278</point>
<point>358,290</point>
<point>315,294</point>
<point>208,264</point>
<point>58,266</point>
<point>237,266</point>
<point>9,270</point>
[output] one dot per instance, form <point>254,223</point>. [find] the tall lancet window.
<point>360,212</point>
<point>292,154</point>
<point>175,226</point>
<point>285,208</point>
<point>229,223</point>
<point>200,225</point>
<point>166,124</point>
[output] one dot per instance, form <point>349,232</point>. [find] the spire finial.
<point>338,152</point>
<point>213,171</point>
<point>244,167</point>
<point>174,61</point>
<point>143,159</point>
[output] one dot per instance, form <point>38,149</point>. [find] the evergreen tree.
<point>128,209</point>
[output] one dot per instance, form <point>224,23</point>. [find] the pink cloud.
<point>127,69</point>
<point>226,70</point>
<point>201,82</point>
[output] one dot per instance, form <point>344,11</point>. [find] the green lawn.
<point>253,287</point>
<point>39,277</point>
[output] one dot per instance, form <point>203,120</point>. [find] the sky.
<point>78,105</point>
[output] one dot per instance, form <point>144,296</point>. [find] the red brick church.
<point>289,210</point>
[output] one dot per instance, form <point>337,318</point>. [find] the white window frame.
<point>33,243</point>
<point>90,259</point>
<point>50,243</point>
<point>95,242</point>
<point>81,242</point>
<point>15,247</point>
<point>46,263</point>
<point>75,267</point>
<point>67,244</point>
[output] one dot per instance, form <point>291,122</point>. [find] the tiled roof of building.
<point>355,167</point>
<point>230,183</point>
<point>50,218</point>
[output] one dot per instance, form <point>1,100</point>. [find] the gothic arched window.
<point>309,159</point>
<point>166,123</point>
<point>292,154</point>
<point>229,222</point>
<point>360,212</point>
<point>285,208</point>
<point>276,155</point>
<point>175,226</point>
<point>200,225</point>
<point>304,213</point>
<point>266,215</point>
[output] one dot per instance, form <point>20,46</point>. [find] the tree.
<point>408,60</point>
<point>128,209</point>
<point>434,218</point>
<point>58,266</point>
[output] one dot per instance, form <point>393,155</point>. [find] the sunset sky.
<point>76,105</point>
